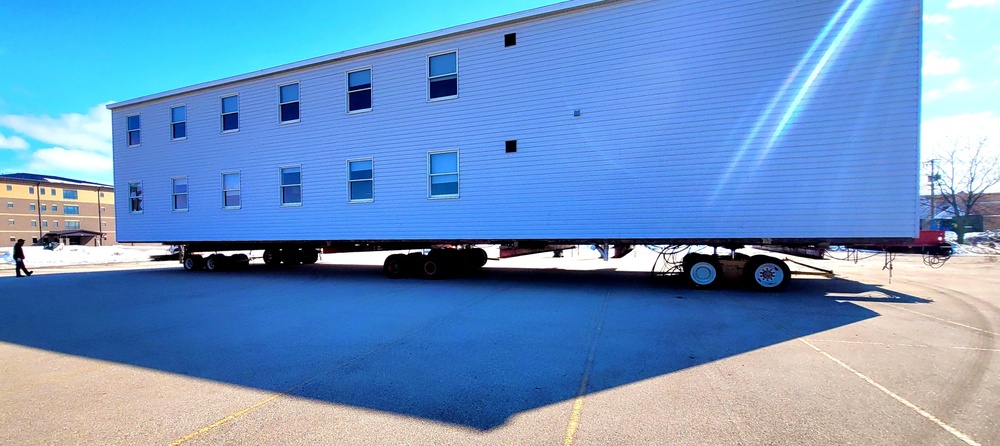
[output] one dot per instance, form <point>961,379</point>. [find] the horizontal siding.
<point>674,140</point>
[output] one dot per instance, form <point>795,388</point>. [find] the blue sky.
<point>61,61</point>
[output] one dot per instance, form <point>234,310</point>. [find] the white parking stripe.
<point>902,400</point>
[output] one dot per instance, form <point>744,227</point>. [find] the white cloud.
<point>936,64</point>
<point>956,4</point>
<point>13,142</point>
<point>88,132</point>
<point>77,164</point>
<point>937,134</point>
<point>959,85</point>
<point>936,19</point>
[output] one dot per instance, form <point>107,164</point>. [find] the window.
<point>52,192</point>
<point>443,174</point>
<point>10,222</point>
<point>31,191</point>
<point>71,210</point>
<point>291,186</point>
<point>44,207</point>
<point>180,192</point>
<point>231,190</point>
<point>41,190</point>
<point>510,39</point>
<point>34,224</point>
<point>31,206</point>
<point>510,146</point>
<point>102,194</point>
<point>134,198</point>
<point>45,224</point>
<point>442,79</point>
<point>104,209</point>
<point>71,224</point>
<point>9,188</point>
<point>288,103</point>
<point>69,194</point>
<point>104,223</point>
<point>55,208</point>
<point>360,180</point>
<point>133,131</point>
<point>55,223</point>
<point>359,90</point>
<point>231,113</point>
<point>178,122</point>
<point>10,205</point>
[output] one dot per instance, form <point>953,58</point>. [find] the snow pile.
<point>985,243</point>
<point>63,255</point>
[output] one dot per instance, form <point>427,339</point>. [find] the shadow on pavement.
<point>468,351</point>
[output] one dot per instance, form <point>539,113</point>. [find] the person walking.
<point>19,259</point>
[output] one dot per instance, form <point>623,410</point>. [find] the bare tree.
<point>967,171</point>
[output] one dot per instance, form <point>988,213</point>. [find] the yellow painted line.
<point>896,397</point>
<point>574,417</point>
<point>229,418</point>
<point>946,320</point>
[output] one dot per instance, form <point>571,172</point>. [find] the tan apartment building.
<point>46,208</point>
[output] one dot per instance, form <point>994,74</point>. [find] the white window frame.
<point>350,181</point>
<point>458,165</point>
<point>141,198</point>
<point>128,131</point>
<point>370,90</point>
<point>427,66</point>
<point>31,206</point>
<point>174,194</point>
<point>223,113</point>
<point>282,186</point>
<point>34,223</point>
<point>45,223</point>
<point>298,101</point>
<point>238,189</point>
<point>173,123</point>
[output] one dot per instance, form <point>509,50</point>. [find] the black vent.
<point>510,39</point>
<point>512,146</point>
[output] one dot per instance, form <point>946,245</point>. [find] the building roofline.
<point>51,179</point>
<point>392,44</point>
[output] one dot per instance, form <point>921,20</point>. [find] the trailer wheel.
<point>395,266</point>
<point>192,263</point>
<point>432,268</point>
<point>767,274</point>
<point>214,263</point>
<point>272,257</point>
<point>479,257</point>
<point>309,256</point>
<point>702,272</point>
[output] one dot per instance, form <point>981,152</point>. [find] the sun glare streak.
<point>766,115</point>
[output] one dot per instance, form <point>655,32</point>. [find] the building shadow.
<point>471,351</point>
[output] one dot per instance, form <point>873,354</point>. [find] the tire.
<point>309,256</point>
<point>214,263</point>
<point>478,257</point>
<point>272,257</point>
<point>395,266</point>
<point>432,268</point>
<point>703,272</point>
<point>192,263</point>
<point>766,274</point>
<point>291,257</point>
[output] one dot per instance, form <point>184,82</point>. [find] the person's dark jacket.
<point>18,253</point>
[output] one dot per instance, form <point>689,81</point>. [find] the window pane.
<point>181,201</point>
<point>291,175</point>
<point>444,162</point>
<point>180,185</point>
<point>231,121</point>
<point>360,100</point>
<point>69,194</point>
<point>230,104</point>
<point>180,130</point>
<point>133,122</point>
<point>445,87</point>
<point>361,190</point>
<point>361,170</point>
<point>289,93</point>
<point>444,64</point>
<point>177,114</point>
<point>289,112</point>
<point>232,198</point>
<point>359,79</point>
<point>231,181</point>
<point>291,194</point>
<point>444,185</point>
<point>133,139</point>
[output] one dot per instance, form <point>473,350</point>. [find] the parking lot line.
<point>574,417</point>
<point>902,400</point>
<point>946,320</point>
<point>887,344</point>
